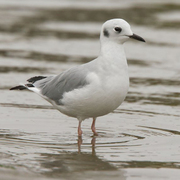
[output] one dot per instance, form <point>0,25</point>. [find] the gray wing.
<point>54,87</point>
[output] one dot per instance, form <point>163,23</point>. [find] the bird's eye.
<point>118,29</point>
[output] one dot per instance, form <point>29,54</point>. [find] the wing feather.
<point>53,87</point>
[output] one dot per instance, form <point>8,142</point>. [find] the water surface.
<point>140,140</point>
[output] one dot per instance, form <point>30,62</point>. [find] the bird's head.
<point>118,30</point>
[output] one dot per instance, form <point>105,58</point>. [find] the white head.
<point>117,30</point>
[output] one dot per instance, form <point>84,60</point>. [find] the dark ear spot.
<point>106,33</point>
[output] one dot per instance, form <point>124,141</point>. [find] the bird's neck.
<point>113,54</point>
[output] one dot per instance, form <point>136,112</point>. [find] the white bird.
<point>93,89</point>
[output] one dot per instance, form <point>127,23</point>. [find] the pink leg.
<point>79,129</point>
<point>79,144</point>
<point>93,127</point>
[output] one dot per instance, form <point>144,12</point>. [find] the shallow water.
<point>140,140</point>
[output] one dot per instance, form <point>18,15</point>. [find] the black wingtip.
<point>21,87</point>
<point>31,80</point>
<point>36,78</point>
<point>18,88</point>
<point>29,85</point>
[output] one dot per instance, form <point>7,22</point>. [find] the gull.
<point>95,88</point>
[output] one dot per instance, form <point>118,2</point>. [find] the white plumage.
<point>95,88</point>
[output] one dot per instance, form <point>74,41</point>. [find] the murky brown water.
<point>140,140</point>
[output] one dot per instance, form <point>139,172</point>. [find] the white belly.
<point>98,98</point>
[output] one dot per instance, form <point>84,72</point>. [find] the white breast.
<point>100,97</point>
<point>107,88</point>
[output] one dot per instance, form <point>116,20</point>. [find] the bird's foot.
<point>93,127</point>
<point>79,143</point>
<point>95,133</point>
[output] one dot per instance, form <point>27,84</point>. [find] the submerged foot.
<point>93,128</point>
<point>94,132</point>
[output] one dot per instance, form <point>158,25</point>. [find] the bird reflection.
<point>93,142</point>
<point>66,162</point>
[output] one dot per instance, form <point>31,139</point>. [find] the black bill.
<point>134,36</point>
